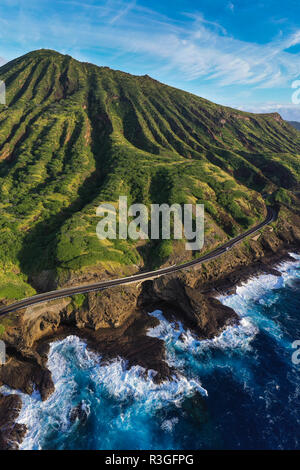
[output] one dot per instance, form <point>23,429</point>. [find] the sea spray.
<point>73,365</point>
<point>252,385</point>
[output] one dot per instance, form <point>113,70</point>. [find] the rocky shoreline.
<point>114,322</point>
<point>11,433</point>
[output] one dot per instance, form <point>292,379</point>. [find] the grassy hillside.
<point>74,135</point>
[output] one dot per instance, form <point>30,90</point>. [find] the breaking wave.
<point>238,390</point>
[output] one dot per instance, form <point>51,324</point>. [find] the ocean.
<point>240,390</point>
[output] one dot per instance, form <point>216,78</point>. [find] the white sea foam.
<point>53,414</point>
<point>137,390</point>
<point>234,336</point>
<point>121,383</point>
<point>256,288</point>
<point>237,336</point>
<point>113,379</point>
<point>169,424</point>
<point>259,290</point>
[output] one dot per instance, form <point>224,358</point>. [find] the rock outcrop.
<point>11,433</point>
<point>114,322</point>
<point>177,294</point>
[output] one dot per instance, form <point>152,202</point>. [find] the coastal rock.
<point>130,342</point>
<point>114,322</point>
<point>42,320</point>
<point>204,314</point>
<point>108,308</point>
<point>11,433</point>
<point>79,413</point>
<point>26,375</point>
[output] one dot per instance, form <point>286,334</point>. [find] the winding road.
<point>57,294</point>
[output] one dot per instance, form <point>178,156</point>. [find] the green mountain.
<point>74,135</point>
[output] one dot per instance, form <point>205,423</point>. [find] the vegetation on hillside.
<point>74,135</point>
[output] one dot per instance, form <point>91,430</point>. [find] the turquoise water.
<point>238,391</point>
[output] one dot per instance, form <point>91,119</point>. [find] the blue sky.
<point>237,52</point>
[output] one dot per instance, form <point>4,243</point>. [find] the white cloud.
<point>289,112</point>
<point>122,12</point>
<point>193,47</point>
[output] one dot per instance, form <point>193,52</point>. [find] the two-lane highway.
<point>57,294</point>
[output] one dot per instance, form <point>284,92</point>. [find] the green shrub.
<point>78,300</point>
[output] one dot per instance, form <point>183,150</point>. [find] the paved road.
<point>57,294</point>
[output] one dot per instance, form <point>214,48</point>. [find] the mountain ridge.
<point>74,135</point>
<point>295,124</point>
<point>42,53</point>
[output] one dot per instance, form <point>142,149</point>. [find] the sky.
<point>234,52</point>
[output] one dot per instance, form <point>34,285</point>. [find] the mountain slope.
<point>295,124</point>
<point>74,135</point>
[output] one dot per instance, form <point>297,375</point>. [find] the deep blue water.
<point>238,391</point>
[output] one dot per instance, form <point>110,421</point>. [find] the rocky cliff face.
<point>11,433</point>
<point>114,322</point>
<point>190,295</point>
<point>74,135</point>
